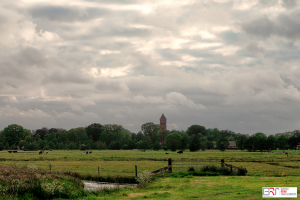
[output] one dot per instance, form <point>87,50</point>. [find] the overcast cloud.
<point>226,64</point>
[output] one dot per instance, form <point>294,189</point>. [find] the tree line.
<point>115,137</point>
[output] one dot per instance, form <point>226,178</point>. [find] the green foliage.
<point>242,171</point>
<point>196,130</point>
<point>13,134</point>
<point>210,145</point>
<point>203,143</point>
<point>94,130</point>
<point>150,129</point>
<point>82,147</point>
<point>143,178</point>
<point>156,146</point>
<point>222,144</point>
<point>173,141</point>
<point>195,143</point>
<point>1,146</point>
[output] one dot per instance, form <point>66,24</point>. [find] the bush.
<point>191,169</point>
<point>82,147</point>
<point>242,171</point>
<point>209,168</point>
<point>143,178</point>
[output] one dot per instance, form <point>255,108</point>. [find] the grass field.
<point>264,170</point>
<point>122,162</point>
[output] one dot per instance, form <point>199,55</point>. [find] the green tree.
<point>261,139</point>
<point>156,146</point>
<point>173,141</point>
<point>195,143</point>
<point>144,144</point>
<point>196,130</point>
<point>13,134</point>
<point>150,129</point>
<point>282,142</point>
<point>1,146</point>
<point>241,141</point>
<point>210,145</point>
<point>293,142</point>
<point>203,143</point>
<point>94,130</point>
<point>223,144</point>
<point>270,142</point>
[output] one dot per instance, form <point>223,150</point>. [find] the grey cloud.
<point>285,25</point>
<point>290,3</point>
<point>66,14</point>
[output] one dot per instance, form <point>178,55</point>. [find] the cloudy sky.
<point>226,64</point>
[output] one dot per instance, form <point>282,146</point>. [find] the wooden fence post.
<point>135,171</point>
<point>222,162</point>
<point>170,165</point>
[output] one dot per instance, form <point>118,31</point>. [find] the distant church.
<point>163,123</point>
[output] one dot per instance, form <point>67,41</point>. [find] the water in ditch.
<point>94,186</point>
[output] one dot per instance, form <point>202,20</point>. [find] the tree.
<point>241,141</point>
<point>41,132</point>
<point>203,143</point>
<point>173,141</point>
<point>13,134</point>
<point>293,142</point>
<point>261,139</point>
<point>210,145</point>
<point>144,144</point>
<point>196,130</point>
<point>270,142</point>
<point>282,142</point>
<point>162,136</point>
<point>156,146</point>
<point>94,130</point>
<point>223,144</point>
<point>150,129</point>
<point>195,143</point>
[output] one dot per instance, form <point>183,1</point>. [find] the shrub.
<point>191,169</point>
<point>143,178</point>
<point>209,168</point>
<point>242,171</point>
<point>82,147</point>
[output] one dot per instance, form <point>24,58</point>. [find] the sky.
<point>220,64</point>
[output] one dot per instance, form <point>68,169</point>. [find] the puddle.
<point>93,186</point>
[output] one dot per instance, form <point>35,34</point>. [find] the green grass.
<point>264,170</point>
<point>123,162</point>
<point>221,187</point>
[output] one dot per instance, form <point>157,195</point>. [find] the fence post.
<point>135,171</point>
<point>222,162</point>
<point>170,165</point>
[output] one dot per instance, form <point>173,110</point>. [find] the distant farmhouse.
<point>232,144</point>
<point>163,123</point>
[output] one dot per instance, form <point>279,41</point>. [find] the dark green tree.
<point>94,130</point>
<point>195,143</point>
<point>223,144</point>
<point>260,139</point>
<point>293,142</point>
<point>152,130</point>
<point>13,134</point>
<point>173,141</point>
<point>156,146</point>
<point>196,130</point>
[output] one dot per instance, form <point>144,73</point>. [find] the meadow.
<point>122,162</point>
<point>264,170</point>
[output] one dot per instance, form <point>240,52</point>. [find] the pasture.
<point>122,162</point>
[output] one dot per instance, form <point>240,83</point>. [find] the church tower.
<point>163,123</point>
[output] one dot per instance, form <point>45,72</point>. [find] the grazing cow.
<point>167,153</point>
<point>286,154</point>
<point>47,152</point>
<point>41,152</point>
<point>180,152</point>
